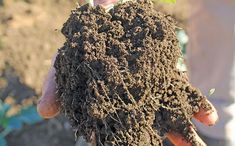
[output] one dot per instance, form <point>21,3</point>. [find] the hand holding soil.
<point>116,76</point>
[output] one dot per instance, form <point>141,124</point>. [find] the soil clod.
<point>117,78</point>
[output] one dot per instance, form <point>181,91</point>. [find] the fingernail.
<point>208,118</point>
<point>212,118</point>
<point>47,109</point>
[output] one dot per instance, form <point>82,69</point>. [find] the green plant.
<point>26,115</point>
<point>183,41</point>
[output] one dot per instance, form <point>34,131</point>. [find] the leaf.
<point>29,115</point>
<point>3,141</point>
<point>183,40</point>
<point>15,123</point>
<point>212,91</point>
<point>181,64</point>
<point>4,121</point>
<point>168,1</point>
<point>5,132</point>
<point>3,109</point>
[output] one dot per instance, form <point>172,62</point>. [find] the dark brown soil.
<point>116,76</point>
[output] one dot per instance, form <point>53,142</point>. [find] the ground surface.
<point>55,132</point>
<point>29,36</point>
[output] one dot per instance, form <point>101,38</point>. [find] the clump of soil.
<point>117,78</point>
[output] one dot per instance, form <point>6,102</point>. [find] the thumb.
<point>48,106</point>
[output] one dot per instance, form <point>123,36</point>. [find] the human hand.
<point>49,107</point>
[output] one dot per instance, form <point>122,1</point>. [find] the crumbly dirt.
<point>117,78</point>
<point>32,25</point>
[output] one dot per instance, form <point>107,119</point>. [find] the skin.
<point>48,107</point>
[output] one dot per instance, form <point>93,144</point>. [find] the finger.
<point>207,117</point>
<point>178,140</point>
<point>47,106</point>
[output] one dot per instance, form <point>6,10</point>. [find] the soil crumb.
<point>117,78</point>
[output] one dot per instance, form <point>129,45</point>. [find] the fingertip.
<point>48,107</point>
<point>208,118</point>
<point>178,140</point>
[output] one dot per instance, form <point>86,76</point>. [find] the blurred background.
<point>29,36</point>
